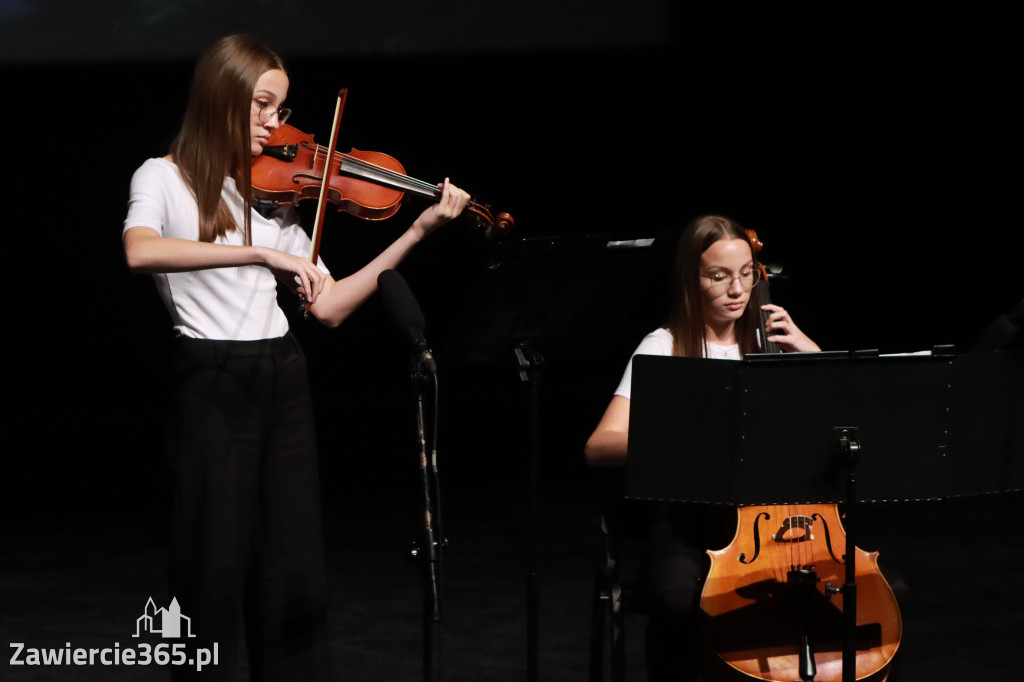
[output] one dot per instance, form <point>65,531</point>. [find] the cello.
<point>770,607</point>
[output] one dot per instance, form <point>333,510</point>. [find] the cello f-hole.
<point>757,539</point>
<point>828,539</point>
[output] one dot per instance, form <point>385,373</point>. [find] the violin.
<point>770,608</point>
<point>368,185</point>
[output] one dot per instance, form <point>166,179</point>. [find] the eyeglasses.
<point>721,281</point>
<point>268,112</point>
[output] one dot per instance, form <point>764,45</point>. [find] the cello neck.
<point>762,297</point>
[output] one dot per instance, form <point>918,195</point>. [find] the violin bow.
<point>325,182</point>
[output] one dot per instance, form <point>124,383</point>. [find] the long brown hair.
<point>213,142</point>
<point>686,316</point>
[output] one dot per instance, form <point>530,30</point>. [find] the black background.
<point>875,155</point>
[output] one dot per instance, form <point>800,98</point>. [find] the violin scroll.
<point>491,225</point>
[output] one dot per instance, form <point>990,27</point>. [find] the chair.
<point>616,592</point>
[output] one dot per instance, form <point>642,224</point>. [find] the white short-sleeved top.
<point>234,303</point>
<point>659,342</point>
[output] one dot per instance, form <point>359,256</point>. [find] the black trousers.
<point>675,567</point>
<point>246,540</point>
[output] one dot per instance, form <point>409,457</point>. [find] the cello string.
<point>790,544</point>
<point>787,554</point>
<point>793,529</point>
<point>796,546</point>
<point>781,553</point>
<point>806,553</point>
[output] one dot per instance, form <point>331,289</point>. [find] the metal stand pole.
<point>531,365</point>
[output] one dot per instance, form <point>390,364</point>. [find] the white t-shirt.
<point>659,342</point>
<point>236,303</point>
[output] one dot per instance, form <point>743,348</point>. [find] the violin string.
<point>400,179</point>
<point>385,172</point>
<point>316,159</point>
<point>395,176</point>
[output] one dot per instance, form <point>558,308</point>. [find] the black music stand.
<point>787,429</point>
<point>576,295</point>
<point>554,299</point>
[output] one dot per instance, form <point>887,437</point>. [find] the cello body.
<point>769,589</point>
<point>772,605</point>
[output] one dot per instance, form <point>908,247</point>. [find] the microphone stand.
<point>428,550</point>
<point>531,370</point>
<point>407,315</point>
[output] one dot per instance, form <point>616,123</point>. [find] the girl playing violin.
<point>245,537</point>
<point>711,317</point>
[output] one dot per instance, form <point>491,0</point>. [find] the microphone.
<point>405,312</point>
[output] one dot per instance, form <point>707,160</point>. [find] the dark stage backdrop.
<point>61,31</point>
<point>874,154</point>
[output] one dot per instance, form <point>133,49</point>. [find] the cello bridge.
<point>795,529</point>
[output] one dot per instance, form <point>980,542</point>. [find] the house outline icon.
<point>170,620</point>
